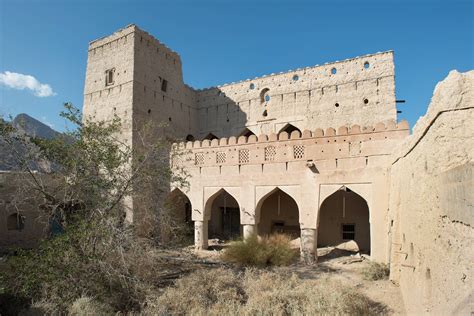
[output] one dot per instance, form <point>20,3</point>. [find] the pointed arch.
<point>343,216</point>
<point>223,212</point>
<point>278,211</point>
<point>289,128</point>
<point>210,136</point>
<point>246,132</point>
<point>179,204</point>
<point>190,138</point>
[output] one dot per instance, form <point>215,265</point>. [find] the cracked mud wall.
<point>431,204</point>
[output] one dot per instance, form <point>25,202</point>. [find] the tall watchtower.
<point>132,75</point>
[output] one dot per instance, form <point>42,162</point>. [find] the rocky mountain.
<point>31,127</point>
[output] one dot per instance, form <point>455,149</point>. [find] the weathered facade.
<point>20,222</point>
<point>315,152</point>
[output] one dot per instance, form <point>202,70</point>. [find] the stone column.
<point>249,230</point>
<point>200,235</point>
<point>309,245</point>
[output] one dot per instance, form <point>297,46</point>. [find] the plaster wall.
<point>307,98</point>
<point>431,204</point>
<point>307,167</point>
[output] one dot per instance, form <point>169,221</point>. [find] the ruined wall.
<point>32,227</point>
<point>354,91</point>
<point>431,204</point>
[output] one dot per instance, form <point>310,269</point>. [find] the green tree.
<point>81,182</point>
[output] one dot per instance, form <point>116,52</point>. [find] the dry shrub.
<point>85,306</point>
<point>269,250</point>
<point>376,271</point>
<point>224,292</point>
<point>198,293</point>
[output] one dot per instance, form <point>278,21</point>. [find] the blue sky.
<point>222,41</point>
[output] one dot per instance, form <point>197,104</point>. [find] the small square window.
<point>348,231</point>
<point>164,85</point>
<point>109,77</point>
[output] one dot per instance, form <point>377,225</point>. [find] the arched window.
<point>289,128</point>
<point>246,132</point>
<point>264,96</point>
<point>210,136</point>
<point>15,222</point>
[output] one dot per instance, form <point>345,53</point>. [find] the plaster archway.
<point>344,216</point>
<point>222,211</point>
<point>277,211</point>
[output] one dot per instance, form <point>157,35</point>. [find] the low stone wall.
<point>431,204</point>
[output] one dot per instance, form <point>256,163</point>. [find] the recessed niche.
<point>336,105</point>
<point>366,101</point>
<point>252,86</point>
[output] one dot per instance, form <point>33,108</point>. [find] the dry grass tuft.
<point>376,271</point>
<point>85,306</point>
<point>257,292</point>
<point>270,250</point>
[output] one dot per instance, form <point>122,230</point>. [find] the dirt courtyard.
<point>339,265</point>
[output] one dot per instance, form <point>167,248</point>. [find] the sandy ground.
<point>343,266</point>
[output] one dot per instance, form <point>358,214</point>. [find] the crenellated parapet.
<point>319,144</point>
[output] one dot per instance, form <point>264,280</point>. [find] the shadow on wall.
<point>221,116</point>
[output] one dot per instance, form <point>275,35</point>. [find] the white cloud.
<point>19,81</point>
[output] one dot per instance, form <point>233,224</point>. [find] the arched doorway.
<point>176,216</point>
<point>224,222</point>
<point>344,216</point>
<point>279,214</point>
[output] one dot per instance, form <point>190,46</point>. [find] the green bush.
<point>376,271</point>
<point>260,252</point>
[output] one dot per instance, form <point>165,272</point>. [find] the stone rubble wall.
<point>432,204</point>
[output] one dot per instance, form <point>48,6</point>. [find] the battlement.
<point>147,84</point>
<point>314,145</point>
<point>122,33</point>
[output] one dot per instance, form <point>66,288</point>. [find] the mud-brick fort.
<point>315,152</point>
